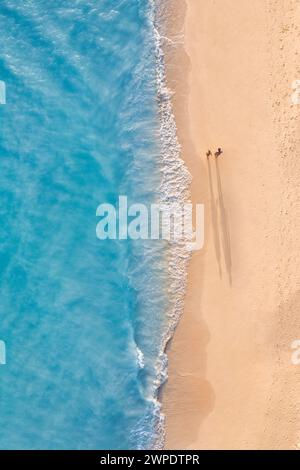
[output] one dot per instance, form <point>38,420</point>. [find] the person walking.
<point>219,152</point>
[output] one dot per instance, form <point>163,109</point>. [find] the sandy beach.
<point>232,384</point>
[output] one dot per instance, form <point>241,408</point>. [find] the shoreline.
<point>174,186</point>
<point>229,360</point>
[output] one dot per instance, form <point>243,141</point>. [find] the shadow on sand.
<point>220,221</point>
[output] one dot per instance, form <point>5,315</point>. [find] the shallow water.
<point>82,319</point>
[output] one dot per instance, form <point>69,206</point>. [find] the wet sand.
<point>232,384</point>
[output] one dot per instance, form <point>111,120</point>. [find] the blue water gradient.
<point>79,128</point>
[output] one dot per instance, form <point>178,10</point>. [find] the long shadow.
<point>188,393</point>
<point>224,226</point>
<point>214,218</point>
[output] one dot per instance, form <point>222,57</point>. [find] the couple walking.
<point>217,153</point>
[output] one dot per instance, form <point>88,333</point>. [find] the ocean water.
<point>84,321</point>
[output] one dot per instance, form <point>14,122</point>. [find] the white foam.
<point>140,358</point>
<point>176,181</point>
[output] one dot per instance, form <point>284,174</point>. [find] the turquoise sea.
<point>83,320</point>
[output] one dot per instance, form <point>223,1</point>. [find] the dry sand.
<point>231,381</point>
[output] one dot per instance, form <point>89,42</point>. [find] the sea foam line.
<point>175,188</point>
